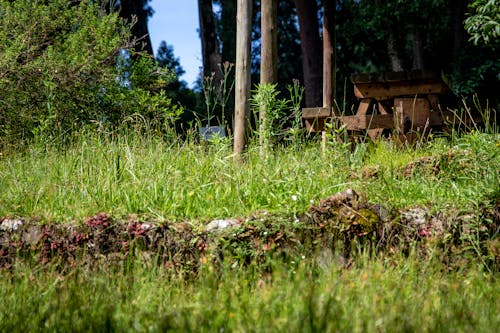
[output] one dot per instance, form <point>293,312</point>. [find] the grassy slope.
<point>188,182</point>
<point>147,176</point>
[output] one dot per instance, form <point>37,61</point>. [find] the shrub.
<point>59,71</point>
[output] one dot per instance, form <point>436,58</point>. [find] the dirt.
<point>340,225</point>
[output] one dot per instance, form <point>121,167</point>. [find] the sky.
<point>176,22</point>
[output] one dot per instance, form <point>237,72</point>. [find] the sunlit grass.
<point>174,180</point>
<point>132,174</point>
<point>372,296</point>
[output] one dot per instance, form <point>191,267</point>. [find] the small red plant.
<point>99,221</point>
<point>135,229</point>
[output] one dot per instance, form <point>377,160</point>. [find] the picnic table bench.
<point>401,101</point>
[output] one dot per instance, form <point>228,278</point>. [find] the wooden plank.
<point>406,88</point>
<point>311,113</point>
<point>382,109</point>
<point>395,76</point>
<point>363,122</point>
<point>364,105</point>
<point>413,113</point>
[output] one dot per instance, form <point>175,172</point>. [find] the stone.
<point>217,225</point>
<point>11,224</point>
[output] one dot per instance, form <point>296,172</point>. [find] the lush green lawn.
<point>387,292</point>
<point>184,181</point>
<point>371,296</point>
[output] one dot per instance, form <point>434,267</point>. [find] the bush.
<point>59,71</point>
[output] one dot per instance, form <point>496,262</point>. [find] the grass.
<point>183,181</point>
<point>147,176</point>
<point>374,295</point>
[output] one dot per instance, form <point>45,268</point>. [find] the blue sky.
<point>176,22</point>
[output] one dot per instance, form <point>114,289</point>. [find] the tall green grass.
<point>142,174</point>
<point>374,295</point>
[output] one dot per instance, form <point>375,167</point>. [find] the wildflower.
<point>294,197</point>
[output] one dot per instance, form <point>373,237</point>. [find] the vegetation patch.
<point>345,224</point>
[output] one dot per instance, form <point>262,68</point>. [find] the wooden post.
<point>268,61</point>
<point>269,42</point>
<point>242,73</point>
<point>329,53</point>
<point>328,60</point>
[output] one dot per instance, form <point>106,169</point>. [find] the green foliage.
<point>372,295</point>
<point>484,24</point>
<point>362,32</point>
<point>58,70</point>
<point>269,111</point>
<point>217,96</point>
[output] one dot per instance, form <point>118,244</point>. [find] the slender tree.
<point>243,64</point>
<point>312,62</point>
<point>269,58</point>
<point>329,74</point>
<point>209,42</point>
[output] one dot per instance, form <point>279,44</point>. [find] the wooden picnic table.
<point>401,101</point>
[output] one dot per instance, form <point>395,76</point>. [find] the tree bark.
<point>209,44</point>
<point>418,48</point>
<point>396,63</point>
<point>458,26</point>
<point>269,41</point>
<point>329,67</point>
<point>312,62</point>
<point>228,30</point>
<point>242,84</point>
<point>268,59</point>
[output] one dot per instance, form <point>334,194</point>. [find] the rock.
<point>415,217</point>
<point>11,224</point>
<point>217,225</point>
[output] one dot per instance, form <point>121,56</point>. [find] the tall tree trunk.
<point>392,51</point>
<point>396,62</point>
<point>418,47</point>
<point>227,35</point>
<point>269,41</point>
<point>458,26</point>
<point>312,61</point>
<point>242,84</point>
<point>228,30</point>
<point>329,67</point>
<point>268,60</point>
<point>209,44</point>
<point>138,11</point>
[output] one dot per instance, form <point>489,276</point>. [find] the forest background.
<point>73,63</point>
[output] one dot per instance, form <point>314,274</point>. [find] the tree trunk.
<point>242,84</point>
<point>132,10</point>
<point>312,62</point>
<point>392,51</point>
<point>227,37</point>
<point>268,60</point>
<point>418,48</point>
<point>269,41</point>
<point>329,67</point>
<point>228,30</point>
<point>458,26</point>
<point>396,62</point>
<point>209,44</point>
